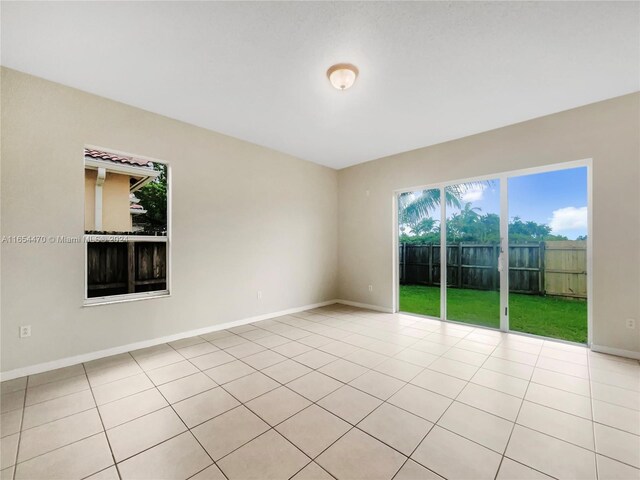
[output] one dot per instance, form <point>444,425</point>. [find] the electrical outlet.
<point>25,331</point>
<point>631,323</point>
<point>371,288</point>
<point>259,295</point>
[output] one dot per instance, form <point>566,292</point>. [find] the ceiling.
<point>429,71</point>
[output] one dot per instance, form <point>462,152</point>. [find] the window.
<point>126,218</point>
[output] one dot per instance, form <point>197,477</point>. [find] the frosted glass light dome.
<point>342,75</point>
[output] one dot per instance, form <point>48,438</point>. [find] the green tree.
<point>424,226</point>
<point>464,225</point>
<point>469,225</point>
<point>153,197</point>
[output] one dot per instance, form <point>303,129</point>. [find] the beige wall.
<point>608,132</point>
<point>245,218</point>
<point>116,215</point>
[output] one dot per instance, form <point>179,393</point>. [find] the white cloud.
<point>474,194</point>
<point>569,218</point>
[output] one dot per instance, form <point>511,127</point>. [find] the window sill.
<point>130,297</point>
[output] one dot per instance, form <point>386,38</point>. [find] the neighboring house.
<point>136,211</point>
<point>109,184</point>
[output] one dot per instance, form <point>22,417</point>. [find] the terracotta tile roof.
<point>97,154</point>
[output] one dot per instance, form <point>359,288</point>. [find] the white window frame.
<point>89,238</point>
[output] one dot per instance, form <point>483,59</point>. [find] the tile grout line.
<point>522,399</point>
<point>53,398</point>
<point>445,411</point>
<point>24,407</point>
<point>312,402</point>
<point>433,424</point>
<point>62,446</point>
<point>70,443</point>
<point>282,385</point>
<point>513,427</point>
<point>177,415</point>
<point>514,423</point>
<point>59,379</point>
<point>104,429</point>
<point>384,401</point>
<point>312,462</point>
<point>593,422</point>
<point>190,429</point>
<point>169,404</point>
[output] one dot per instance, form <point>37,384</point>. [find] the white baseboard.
<point>366,305</point>
<point>616,351</point>
<point>86,357</point>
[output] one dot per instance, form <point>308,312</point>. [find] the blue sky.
<point>558,199</point>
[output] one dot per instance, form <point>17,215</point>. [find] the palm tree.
<point>413,207</point>
<point>470,211</point>
<point>464,224</point>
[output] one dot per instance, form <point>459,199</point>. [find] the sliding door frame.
<point>503,177</point>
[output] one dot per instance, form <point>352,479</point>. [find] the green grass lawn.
<point>555,317</point>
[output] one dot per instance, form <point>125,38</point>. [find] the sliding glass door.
<point>514,251</point>
<point>548,254</point>
<point>473,248</point>
<point>419,255</point>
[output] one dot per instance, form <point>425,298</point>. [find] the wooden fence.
<point>545,268</point>
<point>115,268</point>
<point>566,268</point>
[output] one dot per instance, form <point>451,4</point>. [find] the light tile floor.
<point>332,392</point>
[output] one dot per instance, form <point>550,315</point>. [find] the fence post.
<point>131,270</point>
<point>430,275</point>
<point>460,265</point>
<point>541,253</point>
<point>404,263</point>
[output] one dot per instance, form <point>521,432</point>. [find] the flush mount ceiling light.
<point>342,75</point>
